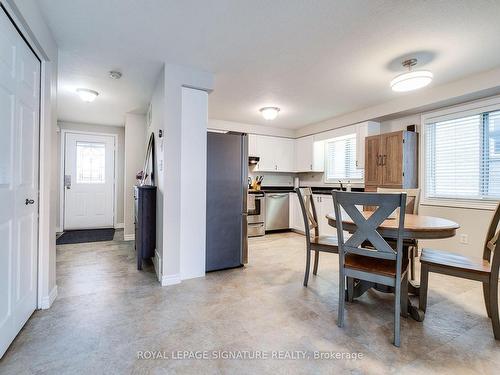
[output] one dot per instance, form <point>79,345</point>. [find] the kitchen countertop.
<point>323,190</point>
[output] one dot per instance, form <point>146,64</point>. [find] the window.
<point>462,158</point>
<point>341,159</point>
<point>90,162</point>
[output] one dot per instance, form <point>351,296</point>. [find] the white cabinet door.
<point>304,154</point>
<point>296,218</point>
<point>252,145</point>
<point>326,208</point>
<point>309,155</point>
<point>265,147</point>
<point>284,159</point>
<point>363,130</point>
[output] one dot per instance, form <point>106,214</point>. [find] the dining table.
<point>416,227</point>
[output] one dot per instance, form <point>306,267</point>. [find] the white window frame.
<point>464,110</point>
<point>343,180</point>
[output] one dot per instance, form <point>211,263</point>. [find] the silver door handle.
<point>29,201</point>
<point>277,196</point>
<point>67,181</point>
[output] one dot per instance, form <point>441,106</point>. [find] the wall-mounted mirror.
<point>148,172</point>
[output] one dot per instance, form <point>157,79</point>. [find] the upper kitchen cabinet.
<point>309,155</point>
<point>276,154</point>
<point>391,160</point>
<point>363,130</point>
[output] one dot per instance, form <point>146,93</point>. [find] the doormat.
<point>86,235</point>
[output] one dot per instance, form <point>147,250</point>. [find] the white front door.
<point>89,179</point>
<point>19,163</point>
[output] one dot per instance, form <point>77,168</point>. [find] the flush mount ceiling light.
<point>269,113</point>
<point>87,95</point>
<point>411,80</point>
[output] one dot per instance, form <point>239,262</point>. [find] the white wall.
<point>120,151</point>
<point>175,150</point>
<point>29,19</point>
<point>179,162</point>
<point>193,183</point>
<point>135,152</point>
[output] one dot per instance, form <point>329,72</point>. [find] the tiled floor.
<point>107,312</point>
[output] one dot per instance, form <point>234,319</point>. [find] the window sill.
<point>474,204</point>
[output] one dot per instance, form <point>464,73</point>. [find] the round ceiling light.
<point>411,80</point>
<point>87,95</point>
<point>269,113</point>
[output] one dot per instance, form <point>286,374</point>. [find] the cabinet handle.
<point>311,167</point>
<point>384,159</point>
<point>378,160</point>
<point>356,163</point>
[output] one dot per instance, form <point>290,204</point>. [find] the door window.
<point>90,162</point>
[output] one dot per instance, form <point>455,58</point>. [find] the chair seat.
<point>385,267</point>
<point>454,261</point>
<point>325,243</point>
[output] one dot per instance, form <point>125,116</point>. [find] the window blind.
<point>341,159</point>
<point>463,158</point>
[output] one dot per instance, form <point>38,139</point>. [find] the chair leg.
<point>486,295</point>
<point>412,263</point>
<point>350,289</point>
<point>397,318</point>
<point>316,260</point>
<point>340,319</point>
<point>404,296</point>
<point>308,265</point>
<point>424,284</point>
<point>495,321</point>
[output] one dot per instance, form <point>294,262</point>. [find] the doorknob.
<point>29,201</point>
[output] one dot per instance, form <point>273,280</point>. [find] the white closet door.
<point>19,165</point>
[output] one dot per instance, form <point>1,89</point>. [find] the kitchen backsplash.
<point>274,179</point>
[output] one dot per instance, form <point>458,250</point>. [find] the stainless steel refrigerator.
<point>227,174</point>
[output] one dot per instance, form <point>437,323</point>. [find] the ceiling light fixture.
<point>411,80</point>
<point>113,74</point>
<point>87,95</point>
<point>269,113</point>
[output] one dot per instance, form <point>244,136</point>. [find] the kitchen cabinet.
<point>309,155</point>
<point>276,154</point>
<point>391,160</point>
<point>252,145</point>
<point>363,130</point>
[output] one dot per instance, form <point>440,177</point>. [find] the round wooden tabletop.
<point>416,226</point>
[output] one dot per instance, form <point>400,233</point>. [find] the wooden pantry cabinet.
<point>391,160</point>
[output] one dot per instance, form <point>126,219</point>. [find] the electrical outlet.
<point>464,239</point>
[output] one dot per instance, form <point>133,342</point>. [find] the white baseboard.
<point>129,237</point>
<point>170,279</point>
<point>119,225</point>
<point>156,264</point>
<point>47,301</point>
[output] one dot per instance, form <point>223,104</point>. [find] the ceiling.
<point>314,59</point>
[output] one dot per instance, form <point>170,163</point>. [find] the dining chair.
<point>315,242</point>
<point>484,270</point>
<point>412,205</point>
<point>380,263</point>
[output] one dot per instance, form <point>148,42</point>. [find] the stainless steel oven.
<point>256,213</point>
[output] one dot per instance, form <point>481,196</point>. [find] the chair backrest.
<point>366,227</point>
<point>491,251</point>
<point>308,211</point>
<point>412,198</point>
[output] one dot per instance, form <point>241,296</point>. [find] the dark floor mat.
<point>86,235</point>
